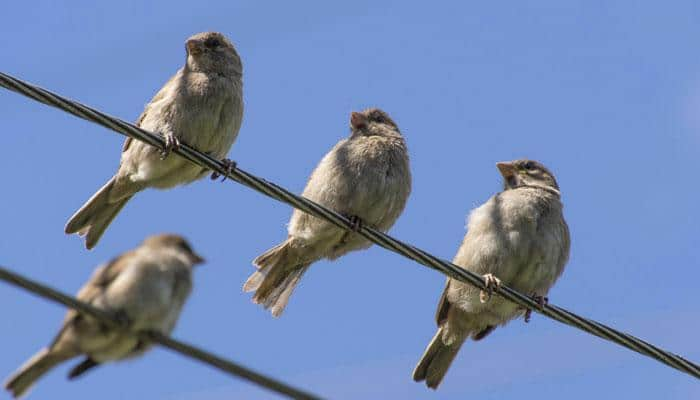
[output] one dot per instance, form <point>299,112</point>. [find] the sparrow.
<point>518,238</point>
<point>365,177</point>
<point>145,287</point>
<point>201,105</point>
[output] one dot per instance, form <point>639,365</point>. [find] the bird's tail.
<point>96,214</point>
<point>436,360</point>
<point>32,370</point>
<point>278,273</point>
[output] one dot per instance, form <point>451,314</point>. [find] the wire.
<point>278,193</point>
<point>183,348</point>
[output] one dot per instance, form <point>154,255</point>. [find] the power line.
<point>185,349</point>
<point>278,193</point>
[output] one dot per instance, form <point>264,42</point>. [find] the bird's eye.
<point>212,43</point>
<point>377,117</point>
<point>529,166</point>
<point>185,247</point>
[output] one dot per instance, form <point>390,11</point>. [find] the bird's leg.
<point>355,223</point>
<point>541,300</point>
<point>171,142</point>
<point>493,284</point>
<point>229,166</point>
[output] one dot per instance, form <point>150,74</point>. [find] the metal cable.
<point>185,349</point>
<point>278,193</point>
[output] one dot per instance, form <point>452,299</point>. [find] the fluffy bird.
<point>365,177</point>
<point>518,237</point>
<point>201,105</point>
<point>145,287</point>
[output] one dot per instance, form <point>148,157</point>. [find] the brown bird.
<point>518,237</point>
<point>365,177</point>
<point>202,106</point>
<point>145,287</point>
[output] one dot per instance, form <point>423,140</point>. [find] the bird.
<point>145,288</point>
<point>518,238</point>
<point>365,177</point>
<point>201,105</point>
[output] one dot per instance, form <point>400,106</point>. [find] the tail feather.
<point>436,360</point>
<point>275,255</point>
<point>93,218</point>
<point>32,370</point>
<point>278,274</point>
<point>253,282</point>
<point>280,297</point>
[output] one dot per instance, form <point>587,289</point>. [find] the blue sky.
<point>605,93</point>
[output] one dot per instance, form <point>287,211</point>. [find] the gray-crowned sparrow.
<point>365,177</point>
<point>202,106</point>
<point>146,286</point>
<point>518,237</point>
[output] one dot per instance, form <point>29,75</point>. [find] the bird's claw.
<point>493,284</point>
<point>355,223</point>
<point>541,301</point>
<point>229,166</point>
<point>171,143</point>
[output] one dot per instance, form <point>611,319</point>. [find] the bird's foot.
<point>171,143</point>
<point>356,223</point>
<point>229,166</point>
<point>541,300</point>
<point>493,284</point>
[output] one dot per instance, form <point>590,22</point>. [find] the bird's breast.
<point>211,117</point>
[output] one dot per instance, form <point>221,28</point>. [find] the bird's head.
<point>372,122</point>
<point>176,244</point>
<point>525,172</point>
<point>212,52</point>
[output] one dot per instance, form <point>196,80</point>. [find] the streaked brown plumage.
<point>146,286</point>
<point>202,105</point>
<point>365,177</point>
<point>518,236</point>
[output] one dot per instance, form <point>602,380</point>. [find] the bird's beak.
<point>358,120</point>
<point>197,259</point>
<point>507,169</point>
<point>193,47</point>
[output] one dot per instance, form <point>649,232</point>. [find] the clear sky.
<point>605,93</point>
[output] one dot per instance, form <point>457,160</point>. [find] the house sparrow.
<point>365,177</point>
<point>202,105</point>
<point>145,287</point>
<point>518,237</point>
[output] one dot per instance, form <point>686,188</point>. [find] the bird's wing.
<point>443,306</point>
<point>328,182</point>
<point>100,279</point>
<point>103,276</point>
<point>159,96</point>
<point>565,244</point>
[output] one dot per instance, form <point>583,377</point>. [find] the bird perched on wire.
<point>201,105</point>
<point>145,287</point>
<point>518,237</point>
<point>365,177</point>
